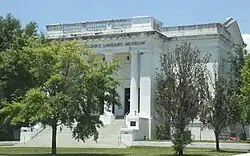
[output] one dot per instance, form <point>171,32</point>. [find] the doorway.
<point>127,100</point>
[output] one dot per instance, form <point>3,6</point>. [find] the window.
<point>121,24</point>
<point>54,28</point>
<point>132,123</point>
<point>96,27</point>
<point>71,28</point>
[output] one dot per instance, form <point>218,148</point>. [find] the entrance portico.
<point>135,82</point>
<point>129,85</point>
<point>137,75</point>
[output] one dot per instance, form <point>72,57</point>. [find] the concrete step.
<point>108,137</point>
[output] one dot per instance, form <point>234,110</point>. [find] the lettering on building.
<point>117,44</point>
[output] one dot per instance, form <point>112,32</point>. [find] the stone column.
<point>107,117</point>
<point>108,58</point>
<point>134,83</point>
<point>147,62</point>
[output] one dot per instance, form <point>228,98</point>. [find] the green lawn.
<point>133,151</point>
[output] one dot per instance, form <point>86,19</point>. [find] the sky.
<point>170,12</point>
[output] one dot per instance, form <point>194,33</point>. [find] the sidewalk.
<point>246,154</point>
<point>194,144</point>
<point>8,143</point>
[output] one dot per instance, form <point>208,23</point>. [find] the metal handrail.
<point>124,119</point>
<point>41,130</point>
<point>123,125</point>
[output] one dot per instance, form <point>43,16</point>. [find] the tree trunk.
<point>244,131</point>
<point>217,141</point>
<point>181,152</point>
<point>54,129</point>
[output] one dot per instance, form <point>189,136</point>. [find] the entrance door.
<point>127,101</point>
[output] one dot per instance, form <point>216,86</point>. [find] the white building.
<point>138,42</point>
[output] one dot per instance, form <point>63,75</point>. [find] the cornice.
<point>200,37</point>
<point>125,35</point>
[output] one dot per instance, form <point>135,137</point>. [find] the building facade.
<point>138,42</point>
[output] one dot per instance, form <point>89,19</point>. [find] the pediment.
<point>233,28</point>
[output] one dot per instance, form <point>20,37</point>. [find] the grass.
<point>133,151</point>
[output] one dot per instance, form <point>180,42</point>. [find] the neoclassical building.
<point>138,42</point>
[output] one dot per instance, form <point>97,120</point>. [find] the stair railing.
<point>41,130</point>
<point>123,126</point>
<point>124,120</point>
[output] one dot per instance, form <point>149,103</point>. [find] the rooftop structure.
<point>134,24</point>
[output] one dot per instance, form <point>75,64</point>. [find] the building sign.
<point>117,44</point>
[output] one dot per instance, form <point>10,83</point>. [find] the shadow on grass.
<point>65,154</point>
<point>229,151</point>
<point>184,155</point>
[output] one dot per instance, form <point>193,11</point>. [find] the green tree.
<point>181,90</point>
<point>73,86</point>
<point>217,113</point>
<point>12,34</point>
<point>226,105</point>
<point>245,90</point>
<point>13,75</point>
<point>237,101</point>
<point>10,30</point>
<point>15,79</point>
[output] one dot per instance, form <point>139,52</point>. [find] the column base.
<point>107,118</point>
<point>137,128</point>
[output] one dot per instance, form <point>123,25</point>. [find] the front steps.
<point>109,137</point>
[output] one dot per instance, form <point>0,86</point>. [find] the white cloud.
<point>246,38</point>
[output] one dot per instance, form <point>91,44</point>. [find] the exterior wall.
<point>206,45</point>
<point>203,29</point>
<point>235,34</point>
<point>224,48</point>
<point>146,36</point>
<point>201,133</point>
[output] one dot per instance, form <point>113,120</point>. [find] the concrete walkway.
<point>9,143</point>
<point>246,154</point>
<point>194,144</point>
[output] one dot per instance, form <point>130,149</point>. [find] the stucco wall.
<point>190,30</point>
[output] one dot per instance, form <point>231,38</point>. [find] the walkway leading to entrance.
<point>194,144</point>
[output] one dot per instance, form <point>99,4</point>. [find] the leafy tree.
<point>15,79</point>
<point>226,105</point>
<point>181,90</point>
<point>10,30</point>
<point>237,101</point>
<point>12,34</point>
<point>217,113</point>
<point>73,84</point>
<point>245,90</point>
